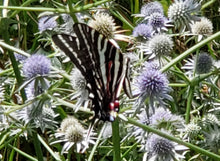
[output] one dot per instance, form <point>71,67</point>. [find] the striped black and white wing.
<point>101,63</point>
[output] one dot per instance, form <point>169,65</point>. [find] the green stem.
<point>207,4</point>
<point>116,140</point>
<point>167,136</point>
<point>55,156</point>
<point>188,105</point>
<point>189,51</point>
<point>60,10</point>
<point>178,85</point>
<point>23,153</point>
<point>37,147</point>
<point>130,149</point>
<point>96,143</point>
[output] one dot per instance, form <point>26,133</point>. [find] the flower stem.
<point>37,146</point>
<point>189,102</point>
<point>189,145</point>
<point>116,140</point>
<point>189,51</point>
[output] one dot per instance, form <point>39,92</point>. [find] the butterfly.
<point>104,67</point>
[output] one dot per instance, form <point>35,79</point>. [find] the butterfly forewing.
<point>100,62</point>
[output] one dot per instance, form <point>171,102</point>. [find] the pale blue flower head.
<point>204,63</point>
<point>143,30</point>
<point>159,148</point>
<point>36,65</point>
<point>158,21</point>
<point>47,23</point>
<point>153,84</point>
<point>151,7</point>
<point>182,13</point>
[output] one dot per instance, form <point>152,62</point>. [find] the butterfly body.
<point>102,64</point>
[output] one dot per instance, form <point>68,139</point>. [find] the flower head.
<point>151,7</point>
<point>202,27</point>
<point>158,21</point>
<point>47,23</point>
<point>72,133</point>
<point>159,148</point>
<point>163,118</point>
<point>181,13</point>
<point>103,23</point>
<point>158,46</point>
<point>36,65</point>
<point>204,63</point>
<point>191,130</point>
<point>143,30</point>
<point>212,139</point>
<point>78,82</point>
<point>153,84</point>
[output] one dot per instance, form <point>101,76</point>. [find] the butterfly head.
<point>113,110</point>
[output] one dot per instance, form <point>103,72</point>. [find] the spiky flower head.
<point>151,7</point>
<point>36,65</point>
<point>163,118</point>
<point>103,23</point>
<point>47,23</point>
<point>191,130</point>
<point>210,120</point>
<point>143,30</point>
<point>212,139</point>
<point>204,63</point>
<point>181,13</point>
<point>152,84</point>
<point>159,148</point>
<point>202,27</point>
<point>158,21</point>
<point>78,83</point>
<point>158,46</point>
<point>72,133</point>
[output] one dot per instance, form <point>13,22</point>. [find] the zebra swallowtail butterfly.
<point>104,67</point>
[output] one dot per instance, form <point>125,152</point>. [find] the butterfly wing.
<point>101,63</point>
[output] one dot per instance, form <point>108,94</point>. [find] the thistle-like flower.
<point>191,130</point>
<point>204,63</point>
<point>202,28</point>
<point>47,23</point>
<point>36,65</point>
<point>182,12</point>
<point>210,120</point>
<point>163,118</point>
<point>158,46</point>
<point>212,139</point>
<point>152,84</point>
<point>104,24</point>
<point>159,148</point>
<point>143,31</point>
<point>78,83</point>
<point>159,22</point>
<point>72,133</point>
<point>149,8</point>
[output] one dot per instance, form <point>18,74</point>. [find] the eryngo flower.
<point>191,130</point>
<point>152,84</point>
<point>36,65</point>
<point>159,148</point>
<point>204,63</point>
<point>47,23</point>
<point>72,133</point>
<point>149,8</point>
<point>103,23</point>
<point>163,118</point>
<point>158,46</point>
<point>143,31</point>
<point>181,12</point>
<point>202,27</point>
<point>210,120</point>
<point>212,139</point>
<point>38,114</point>
<point>78,83</point>
<point>158,21</point>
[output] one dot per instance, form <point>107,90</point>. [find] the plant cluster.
<point>173,47</point>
